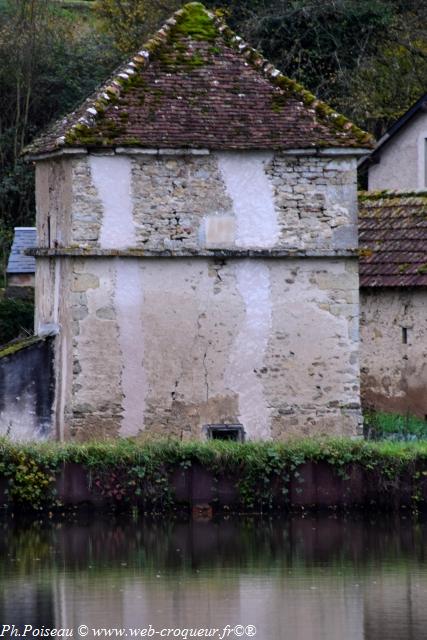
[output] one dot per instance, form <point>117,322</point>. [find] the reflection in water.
<point>295,579</point>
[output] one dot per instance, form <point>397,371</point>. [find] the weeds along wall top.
<point>164,476</point>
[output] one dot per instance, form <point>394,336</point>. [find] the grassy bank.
<point>392,426</point>
<point>149,476</point>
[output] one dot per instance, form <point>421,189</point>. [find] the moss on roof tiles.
<point>392,240</point>
<point>284,115</point>
<point>195,22</point>
<point>366,196</point>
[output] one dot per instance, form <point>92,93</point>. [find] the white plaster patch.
<point>247,353</point>
<point>129,300</point>
<point>112,179</point>
<point>56,291</point>
<point>253,200</point>
<point>219,231</point>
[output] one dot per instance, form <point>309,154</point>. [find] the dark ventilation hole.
<point>234,432</point>
<point>404,335</point>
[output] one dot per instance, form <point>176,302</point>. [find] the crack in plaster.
<point>205,369</point>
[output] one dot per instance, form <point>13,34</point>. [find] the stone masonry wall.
<point>393,355</point>
<point>167,346</point>
<point>219,200</point>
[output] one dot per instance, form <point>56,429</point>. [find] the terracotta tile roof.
<point>196,84</point>
<point>393,239</point>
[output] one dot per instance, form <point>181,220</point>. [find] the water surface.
<point>323,578</point>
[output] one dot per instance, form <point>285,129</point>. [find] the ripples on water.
<point>323,578</point>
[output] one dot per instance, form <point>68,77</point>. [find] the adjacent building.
<point>21,267</point>
<point>393,269</point>
<point>399,160</point>
<point>393,279</point>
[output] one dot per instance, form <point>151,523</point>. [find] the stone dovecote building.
<point>197,229</point>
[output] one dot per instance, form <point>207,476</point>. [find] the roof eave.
<point>46,155</point>
<point>150,151</point>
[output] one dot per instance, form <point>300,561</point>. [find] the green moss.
<point>172,52</point>
<point>278,101</point>
<point>398,195</point>
<point>423,269</point>
<point>195,23</point>
<point>131,142</point>
<point>403,267</point>
<point>308,98</point>
<point>13,347</point>
<point>136,80</point>
<point>323,111</point>
<point>173,60</point>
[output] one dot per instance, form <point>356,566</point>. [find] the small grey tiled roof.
<point>24,238</point>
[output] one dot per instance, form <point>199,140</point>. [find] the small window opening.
<point>404,335</point>
<point>233,432</point>
<point>425,417</point>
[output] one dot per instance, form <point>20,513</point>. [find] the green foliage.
<point>367,58</point>
<point>128,473</point>
<point>16,319</point>
<point>51,59</point>
<point>129,22</point>
<point>380,425</point>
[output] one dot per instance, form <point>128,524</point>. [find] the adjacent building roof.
<point>420,106</point>
<point>393,239</point>
<point>198,85</point>
<point>24,238</point>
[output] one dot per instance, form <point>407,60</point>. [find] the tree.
<point>130,22</point>
<point>49,63</point>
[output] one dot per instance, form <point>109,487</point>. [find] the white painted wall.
<point>111,176</point>
<point>251,192</point>
<point>402,165</point>
<point>168,346</point>
<point>248,351</point>
<point>129,305</point>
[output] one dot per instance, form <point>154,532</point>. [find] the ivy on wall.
<point>128,474</point>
